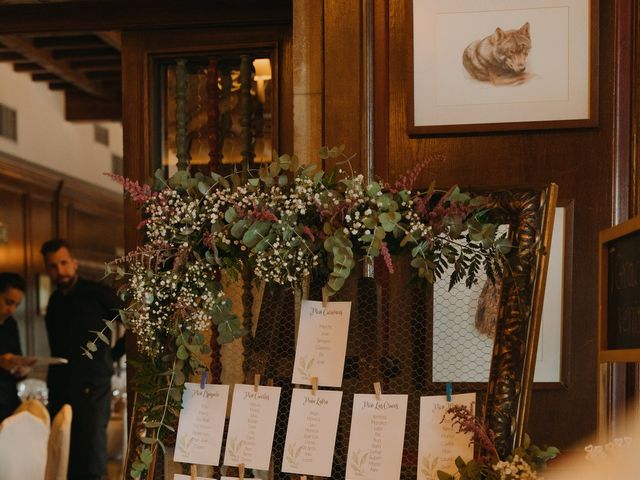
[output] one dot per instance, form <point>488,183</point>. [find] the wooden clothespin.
<point>378,389</point>
<point>270,382</point>
<point>325,297</point>
<point>256,382</point>
<point>203,379</point>
<point>314,385</point>
<point>303,477</point>
<point>241,471</point>
<point>194,472</point>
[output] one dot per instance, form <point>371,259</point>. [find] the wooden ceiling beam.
<point>75,41</point>
<point>9,56</point>
<point>80,107</point>
<point>27,67</point>
<point>26,48</point>
<point>112,38</point>
<point>95,65</point>
<point>123,15</point>
<point>74,54</point>
<point>100,74</point>
<point>44,77</point>
<point>61,85</point>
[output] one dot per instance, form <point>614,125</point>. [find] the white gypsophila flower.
<point>516,469</point>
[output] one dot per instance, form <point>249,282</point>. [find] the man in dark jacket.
<point>75,308</point>
<point>12,366</point>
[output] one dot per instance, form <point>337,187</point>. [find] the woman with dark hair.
<point>12,366</point>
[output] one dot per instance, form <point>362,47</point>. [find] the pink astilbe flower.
<point>467,422</point>
<point>335,215</point>
<point>142,223</point>
<point>138,193</point>
<point>384,251</point>
<point>408,179</point>
<point>260,213</point>
<point>307,231</point>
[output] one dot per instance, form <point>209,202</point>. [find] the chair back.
<point>23,447</point>
<point>35,408</point>
<point>58,449</point>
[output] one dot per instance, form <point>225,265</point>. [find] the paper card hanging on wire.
<point>377,437</point>
<point>251,426</point>
<point>440,443</point>
<point>201,424</point>
<point>311,432</point>
<point>322,343</point>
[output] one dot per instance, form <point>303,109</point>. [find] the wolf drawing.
<point>500,58</point>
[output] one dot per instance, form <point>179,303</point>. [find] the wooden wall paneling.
<point>285,93</point>
<point>12,254</point>
<point>42,205</point>
<point>381,88</point>
<point>38,208</point>
<point>634,167</point>
<point>579,160</point>
<point>343,79</point>
<point>91,219</point>
<point>31,198</point>
<point>618,378</point>
<point>135,119</point>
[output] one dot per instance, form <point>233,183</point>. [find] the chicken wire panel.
<point>462,334</point>
<point>395,335</point>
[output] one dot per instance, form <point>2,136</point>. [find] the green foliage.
<point>283,222</point>
<point>163,378</point>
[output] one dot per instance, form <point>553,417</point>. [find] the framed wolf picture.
<point>499,65</point>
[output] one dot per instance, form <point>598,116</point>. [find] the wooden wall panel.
<point>39,204</point>
<point>580,161</point>
<point>343,78</point>
<point>42,208</point>
<point>12,254</point>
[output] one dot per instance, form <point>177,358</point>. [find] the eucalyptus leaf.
<point>238,229</point>
<point>285,161</point>
<point>203,188</point>
<point>175,394</point>
<point>103,338</point>
<point>179,378</point>
<point>111,325</point>
<point>230,215</point>
<point>182,353</point>
<point>274,169</point>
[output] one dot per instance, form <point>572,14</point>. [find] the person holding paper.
<point>75,308</point>
<point>12,366</point>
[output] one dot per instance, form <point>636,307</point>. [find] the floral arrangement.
<point>284,223</point>
<point>614,449</point>
<point>524,463</point>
